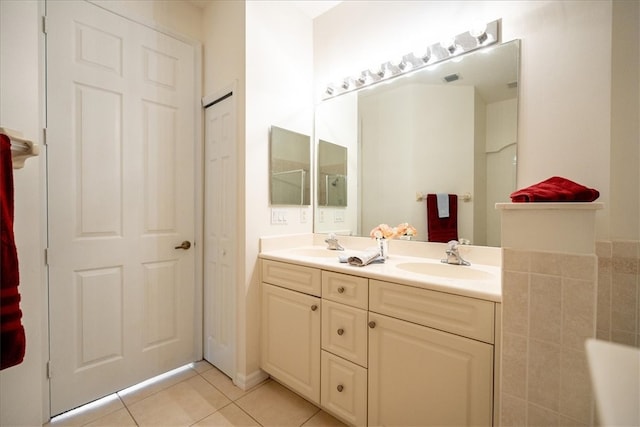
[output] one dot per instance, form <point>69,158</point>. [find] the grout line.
<point>128,410</point>
<point>313,415</point>
<point>248,414</point>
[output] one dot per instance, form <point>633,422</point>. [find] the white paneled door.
<point>220,233</point>
<point>121,107</point>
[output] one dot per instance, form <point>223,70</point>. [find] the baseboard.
<point>245,382</point>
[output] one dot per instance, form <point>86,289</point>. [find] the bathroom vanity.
<point>408,342</point>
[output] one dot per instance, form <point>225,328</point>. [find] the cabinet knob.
<point>314,307</point>
<point>341,290</point>
<point>372,324</point>
<point>340,387</point>
<point>340,331</point>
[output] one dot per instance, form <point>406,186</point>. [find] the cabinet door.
<point>290,348</point>
<point>419,376</point>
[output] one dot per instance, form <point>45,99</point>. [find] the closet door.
<point>220,231</point>
<point>121,108</point>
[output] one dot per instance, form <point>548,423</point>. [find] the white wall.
<point>279,92</point>
<point>565,80</point>
<point>625,113</point>
<point>22,387</point>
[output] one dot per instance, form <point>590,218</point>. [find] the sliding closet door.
<point>121,111</point>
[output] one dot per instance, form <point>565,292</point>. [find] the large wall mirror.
<point>290,167</point>
<point>449,128</point>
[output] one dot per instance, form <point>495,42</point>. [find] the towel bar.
<point>465,197</point>
<point>21,148</point>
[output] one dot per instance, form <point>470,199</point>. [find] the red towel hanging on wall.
<point>442,229</point>
<point>12,337</point>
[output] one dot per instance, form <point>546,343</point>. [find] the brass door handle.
<point>184,245</point>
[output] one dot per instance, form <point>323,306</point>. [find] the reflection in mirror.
<point>332,174</point>
<point>290,165</point>
<point>451,129</point>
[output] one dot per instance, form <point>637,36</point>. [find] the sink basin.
<point>318,252</point>
<point>446,270</point>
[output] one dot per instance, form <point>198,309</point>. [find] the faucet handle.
<point>453,244</point>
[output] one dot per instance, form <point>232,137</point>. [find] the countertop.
<point>485,288</point>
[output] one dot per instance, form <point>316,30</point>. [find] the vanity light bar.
<point>474,39</point>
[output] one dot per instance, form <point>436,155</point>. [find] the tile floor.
<point>198,396</point>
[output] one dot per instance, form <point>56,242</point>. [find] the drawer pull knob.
<point>372,324</point>
<point>340,387</point>
<point>314,307</point>
<point>341,290</point>
<point>340,331</point>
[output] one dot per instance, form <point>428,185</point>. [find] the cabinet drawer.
<point>460,315</point>
<point>344,331</point>
<point>345,289</point>
<point>291,276</point>
<point>344,389</point>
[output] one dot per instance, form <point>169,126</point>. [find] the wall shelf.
<point>21,148</point>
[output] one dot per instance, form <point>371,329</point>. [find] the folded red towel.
<point>12,337</point>
<point>442,229</point>
<point>555,189</point>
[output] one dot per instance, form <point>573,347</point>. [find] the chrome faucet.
<point>332,241</point>
<point>453,255</point>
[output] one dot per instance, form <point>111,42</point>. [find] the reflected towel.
<point>443,205</point>
<point>12,337</point>
<point>555,189</point>
<point>442,229</point>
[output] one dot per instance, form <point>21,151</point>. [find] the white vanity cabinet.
<point>378,353</point>
<point>290,345</point>
<point>420,375</point>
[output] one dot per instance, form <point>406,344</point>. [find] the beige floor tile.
<point>136,394</point>
<point>182,404</point>
<point>224,384</point>
<point>322,419</point>
<point>202,366</point>
<point>229,416</point>
<point>121,417</point>
<point>88,413</point>
<point>273,405</point>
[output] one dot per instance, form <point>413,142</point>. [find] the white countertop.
<point>489,289</point>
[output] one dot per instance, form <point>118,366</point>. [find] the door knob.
<point>184,245</point>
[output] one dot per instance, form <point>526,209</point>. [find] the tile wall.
<point>549,309</point>
<point>618,317</point>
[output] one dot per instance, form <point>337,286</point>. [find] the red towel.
<point>12,338</point>
<point>442,229</point>
<point>555,189</point>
